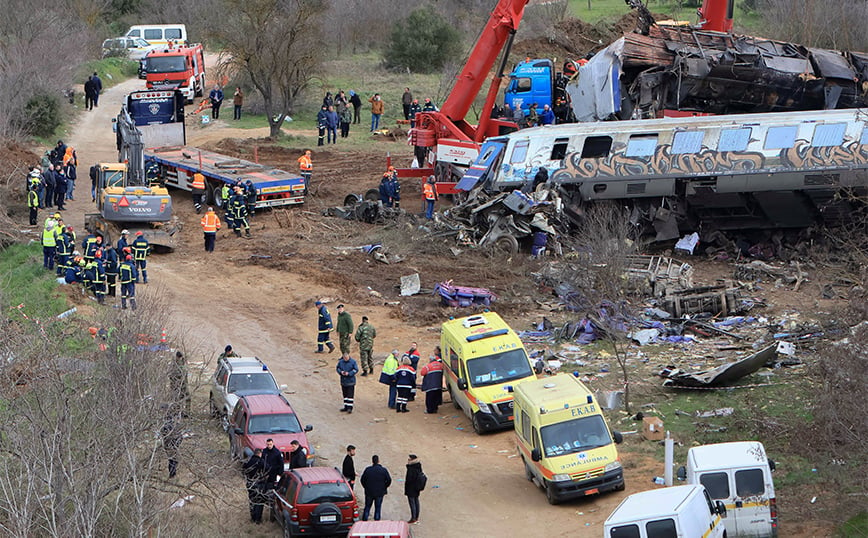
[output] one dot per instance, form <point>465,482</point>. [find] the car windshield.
<point>252,382</point>
<point>284,423</point>
<point>166,64</point>
<point>575,435</point>
<point>507,366</point>
<point>324,492</point>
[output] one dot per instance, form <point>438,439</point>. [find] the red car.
<point>259,417</point>
<point>314,501</point>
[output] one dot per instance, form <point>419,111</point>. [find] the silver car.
<point>236,377</point>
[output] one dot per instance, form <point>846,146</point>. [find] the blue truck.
<point>538,81</point>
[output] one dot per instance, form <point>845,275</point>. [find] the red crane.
<point>716,15</point>
<point>446,136</point>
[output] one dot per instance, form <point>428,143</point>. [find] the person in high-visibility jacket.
<point>429,192</point>
<point>210,224</point>
<point>305,167</point>
<point>49,244</point>
<point>128,274</point>
<point>141,249</point>
<point>198,189</point>
<point>33,205</point>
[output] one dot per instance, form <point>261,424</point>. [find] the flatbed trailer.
<point>274,187</point>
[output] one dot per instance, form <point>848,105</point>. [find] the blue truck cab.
<point>531,81</point>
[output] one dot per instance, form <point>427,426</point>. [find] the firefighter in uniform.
<point>198,189</point>
<point>238,210</point>
<point>141,248</point>
<point>64,250</point>
<point>99,277</point>
<point>111,269</point>
<point>405,381</point>
<point>127,273</point>
<point>324,328</point>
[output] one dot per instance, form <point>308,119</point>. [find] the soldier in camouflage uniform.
<point>365,335</point>
<point>345,329</point>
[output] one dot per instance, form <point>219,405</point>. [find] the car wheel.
<point>233,454</point>
<point>372,195</point>
<point>477,424</point>
<point>550,493</point>
<point>326,518</point>
<point>622,487</point>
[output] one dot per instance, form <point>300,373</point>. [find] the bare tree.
<point>277,44</point>
<point>836,25</point>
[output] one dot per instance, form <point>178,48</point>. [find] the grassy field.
<point>25,282</point>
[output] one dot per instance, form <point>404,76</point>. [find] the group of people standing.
<point>52,182</point>
<point>376,481</point>
<point>335,112</point>
<point>239,204</point>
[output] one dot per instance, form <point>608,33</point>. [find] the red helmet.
<point>128,258</point>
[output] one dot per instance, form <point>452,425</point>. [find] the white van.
<point>159,34</point>
<point>676,512</point>
<point>740,475</point>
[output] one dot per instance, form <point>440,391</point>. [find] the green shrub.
<point>41,115</point>
<point>423,42</point>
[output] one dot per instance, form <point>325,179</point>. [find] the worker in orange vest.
<point>305,166</point>
<point>429,191</point>
<point>198,189</point>
<point>210,224</point>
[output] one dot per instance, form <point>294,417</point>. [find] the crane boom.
<point>716,15</point>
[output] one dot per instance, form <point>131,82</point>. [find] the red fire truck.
<point>177,67</point>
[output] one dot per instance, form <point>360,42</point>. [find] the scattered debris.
<point>722,412</point>
<point>182,501</point>
<point>721,375</point>
<point>463,296</point>
<point>410,285</point>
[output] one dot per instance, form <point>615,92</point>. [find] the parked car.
<point>679,511</point>
<point>134,48</point>
<point>260,417</point>
<point>314,501</point>
<point>380,529</point>
<point>236,377</point>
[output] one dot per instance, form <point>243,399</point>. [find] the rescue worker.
<point>413,355</point>
<point>324,328</point>
<point>395,186</point>
<point>141,248</point>
<point>110,260</point>
<point>238,210</point>
<point>33,204</point>
<point>210,224</point>
<point>123,241</point>
<point>63,251</point>
<point>152,172</point>
<point>415,108</point>
<point>347,368</point>
<point>73,270</point>
<point>250,194</point>
<point>88,276</point>
<point>225,193</point>
<point>387,376</point>
<point>90,244</point>
<point>405,381</point>
<point>365,335</point>
<point>198,190</point>
<point>432,384</point>
<point>256,479</point>
<point>127,273</point>
<point>385,190</point>
<point>305,166</point>
<point>99,277</point>
<point>345,329</point>
<point>49,244</point>
<point>429,106</point>
<point>429,192</point>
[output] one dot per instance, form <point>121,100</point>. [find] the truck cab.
<point>564,440</point>
<point>485,360</point>
<point>740,475</point>
<point>532,81</point>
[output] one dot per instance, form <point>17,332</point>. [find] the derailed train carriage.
<point>736,172</point>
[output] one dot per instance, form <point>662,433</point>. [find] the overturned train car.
<point>737,172</point>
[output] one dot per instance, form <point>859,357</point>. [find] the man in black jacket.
<point>255,475</point>
<point>298,458</point>
<point>349,467</point>
<point>376,481</point>
<point>413,486</point>
<point>273,461</point>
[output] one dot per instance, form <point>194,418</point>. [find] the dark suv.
<point>314,501</point>
<point>259,417</point>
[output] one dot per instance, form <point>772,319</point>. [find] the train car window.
<point>781,137</point>
<point>829,135</point>
<point>596,147</point>
<point>519,152</point>
<point>559,150</point>
<point>687,142</point>
<point>641,146</point>
<point>734,139</point>
<point>864,140</point>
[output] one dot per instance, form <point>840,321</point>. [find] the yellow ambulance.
<point>485,359</point>
<point>564,441</point>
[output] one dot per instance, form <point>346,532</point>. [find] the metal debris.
<point>721,375</point>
